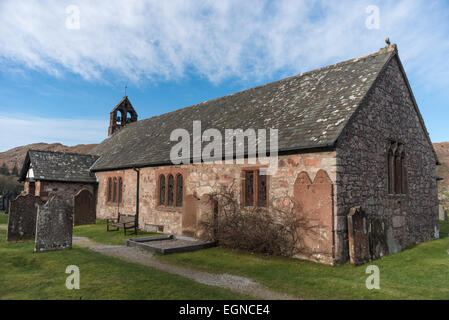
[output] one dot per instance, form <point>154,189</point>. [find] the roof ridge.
<point>62,152</point>
<point>381,51</point>
<point>121,101</point>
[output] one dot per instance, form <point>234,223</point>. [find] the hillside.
<point>442,150</point>
<point>17,155</point>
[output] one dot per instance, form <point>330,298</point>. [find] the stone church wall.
<point>362,173</point>
<point>202,179</point>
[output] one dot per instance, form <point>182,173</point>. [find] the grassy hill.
<point>16,155</point>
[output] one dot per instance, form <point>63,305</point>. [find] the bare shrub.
<point>271,231</point>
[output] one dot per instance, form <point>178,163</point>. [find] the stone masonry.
<point>202,179</point>
<point>388,113</point>
<point>336,127</point>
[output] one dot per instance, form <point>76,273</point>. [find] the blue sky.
<point>59,82</point>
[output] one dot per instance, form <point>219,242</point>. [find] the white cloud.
<point>253,39</point>
<point>21,130</point>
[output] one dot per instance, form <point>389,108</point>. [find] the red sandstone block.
<point>313,162</point>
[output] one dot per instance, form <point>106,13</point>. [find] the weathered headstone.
<point>83,208</point>
<point>381,238</point>
<point>442,213</point>
<point>358,236</point>
<point>54,225</point>
<point>6,200</point>
<point>189,216</point>
<point>22,218</point>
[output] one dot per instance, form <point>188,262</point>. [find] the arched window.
<point>397,173</point>
<point>404,174</point>
<point>390,165</point>
<point>171,182</point>
<point>161,190</point>
<point>120,117</point>
<point>179,190</point>
<point>120,189</point>
<point>109,190</point>
<point>114,193</point>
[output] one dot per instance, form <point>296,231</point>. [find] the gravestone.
<point>54,225</point>
<point>22,218</point>
<point>358,236</point>
<point>442,213</point>
<point>380,232</point>
<point>6,199</point>
<point>189,216</point>
<point>83,208</point>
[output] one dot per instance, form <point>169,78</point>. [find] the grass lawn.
<point>28,275</point>
<point>97,232</point>
<point>421,272</point>
<point>3,218</point>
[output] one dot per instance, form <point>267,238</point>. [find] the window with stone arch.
<point>162,190</point>
<point>120,117</point>
<point>170,189</point>
<point>114,190</point>
<point>179,190</point>
<point>397,170</point>
<point>109,191</point>
<point>120,190</point>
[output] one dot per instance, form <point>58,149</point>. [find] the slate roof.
<point>310,111</point>
<point>59,166</point>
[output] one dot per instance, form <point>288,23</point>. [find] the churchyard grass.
<point>420,272</point>
<point>97,233</point>
<point>29,275</point>
<point>3,218</point>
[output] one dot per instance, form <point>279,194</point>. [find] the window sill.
<point>254,207</point>
<point>166,208</point>
<point>113,204</point>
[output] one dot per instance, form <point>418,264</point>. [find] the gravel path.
<point>235,283</point>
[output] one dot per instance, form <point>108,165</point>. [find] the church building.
<point>350,140</point>
<point>349,135</point>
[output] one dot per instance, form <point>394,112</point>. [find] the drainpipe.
<point>137,195</point>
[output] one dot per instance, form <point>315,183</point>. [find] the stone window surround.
<point>166,172</point>
<point>255,187</point>
<point>391,169</point>
<point>112,177</point>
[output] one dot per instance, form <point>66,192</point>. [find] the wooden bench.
<point>124,221</point>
